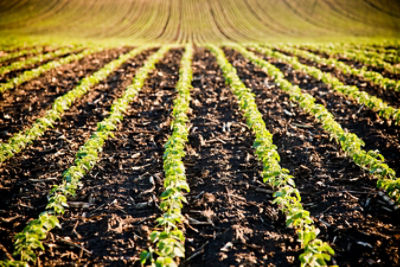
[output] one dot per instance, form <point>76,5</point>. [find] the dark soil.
<point>375,132</point>
<point>390,96</point>
<point>359,65</point>
<point>115,211</point>
<point>21,106</point>
<point>229,218</point>
<point>26,178</point>
<point>46,49</point>
<point>232,221</point>
<point>14,73</point>
<point>352,216</point>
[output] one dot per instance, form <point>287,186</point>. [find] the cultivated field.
<point>180,21</point>
<point>199,145</point>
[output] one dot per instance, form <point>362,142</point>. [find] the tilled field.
<point>229,217</point>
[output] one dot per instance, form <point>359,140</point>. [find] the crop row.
<point>359,56</point>
<point>20,53</point>
<point>17,65</point>
<point>388,55</point>
<point>374,103</point>
<point>379,49</point>
<point>372,76</point>
<point>349,142</point>
<point>287,197</point>
<point>30,239</point>
<point>170,242</point>
<point>34,73</point>
<point>23,138</point>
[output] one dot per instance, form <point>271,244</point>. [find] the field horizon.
<point>176,21</point>
<point>189,133</point>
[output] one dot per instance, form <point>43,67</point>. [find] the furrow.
<point>372,76</point>
<point>361,57</point>
<point>286,196</point>
<point>374,103</point>
<point>18,65</point>
<point>22,139</point>
<point>343,200</point>
<point>31,74</point>
<point>230,219</point>
<point>169,240</point>
<point>29,176</point>
<point>350,143</point>
<point>30,239</point>
<point>115,209</point>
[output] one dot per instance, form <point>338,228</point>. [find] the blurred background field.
<point>160,21</point>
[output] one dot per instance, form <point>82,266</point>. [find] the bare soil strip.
<point>376,133</point>
<point>23,57</point>
<point>111,216</point>
<point>14,73</point>
<point>231,219</point>
<point>26,179</point>
<point>390,96</point>
<point>20,107</point>
<point>343,199</point>
<point>358,65</point>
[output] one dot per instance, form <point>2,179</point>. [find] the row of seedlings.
<point>20,53</point>
<point>383,45</point>
<point>359,56</point>
<point>169,241</point>
<point>286,196</point>
<point>21,64</point>
<point>351,144</point>
<point>384,50</point>
<point>20,140</point>
<point>30,239</point>
<point>371,76</point>
<point>388,55</point>
<point>374,103</point>
<point>34,73</point>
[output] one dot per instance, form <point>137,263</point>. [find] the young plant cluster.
<point>23,138</point>
<point>17,65</point>
<point>350,143</point>
<point>30,239</point>
<point>359,56</point>
<point>34,73</point>
<point>389,55</point>
<point>287,197</point>
<point>363,73</point>
<point>374,103</point>
<point>170,240</point>
<point>20,53</point>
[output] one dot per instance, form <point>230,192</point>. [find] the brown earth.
<point>26,178</point>
<point>229,218</point>
<point>361,227</point>
<point>21,106</point>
